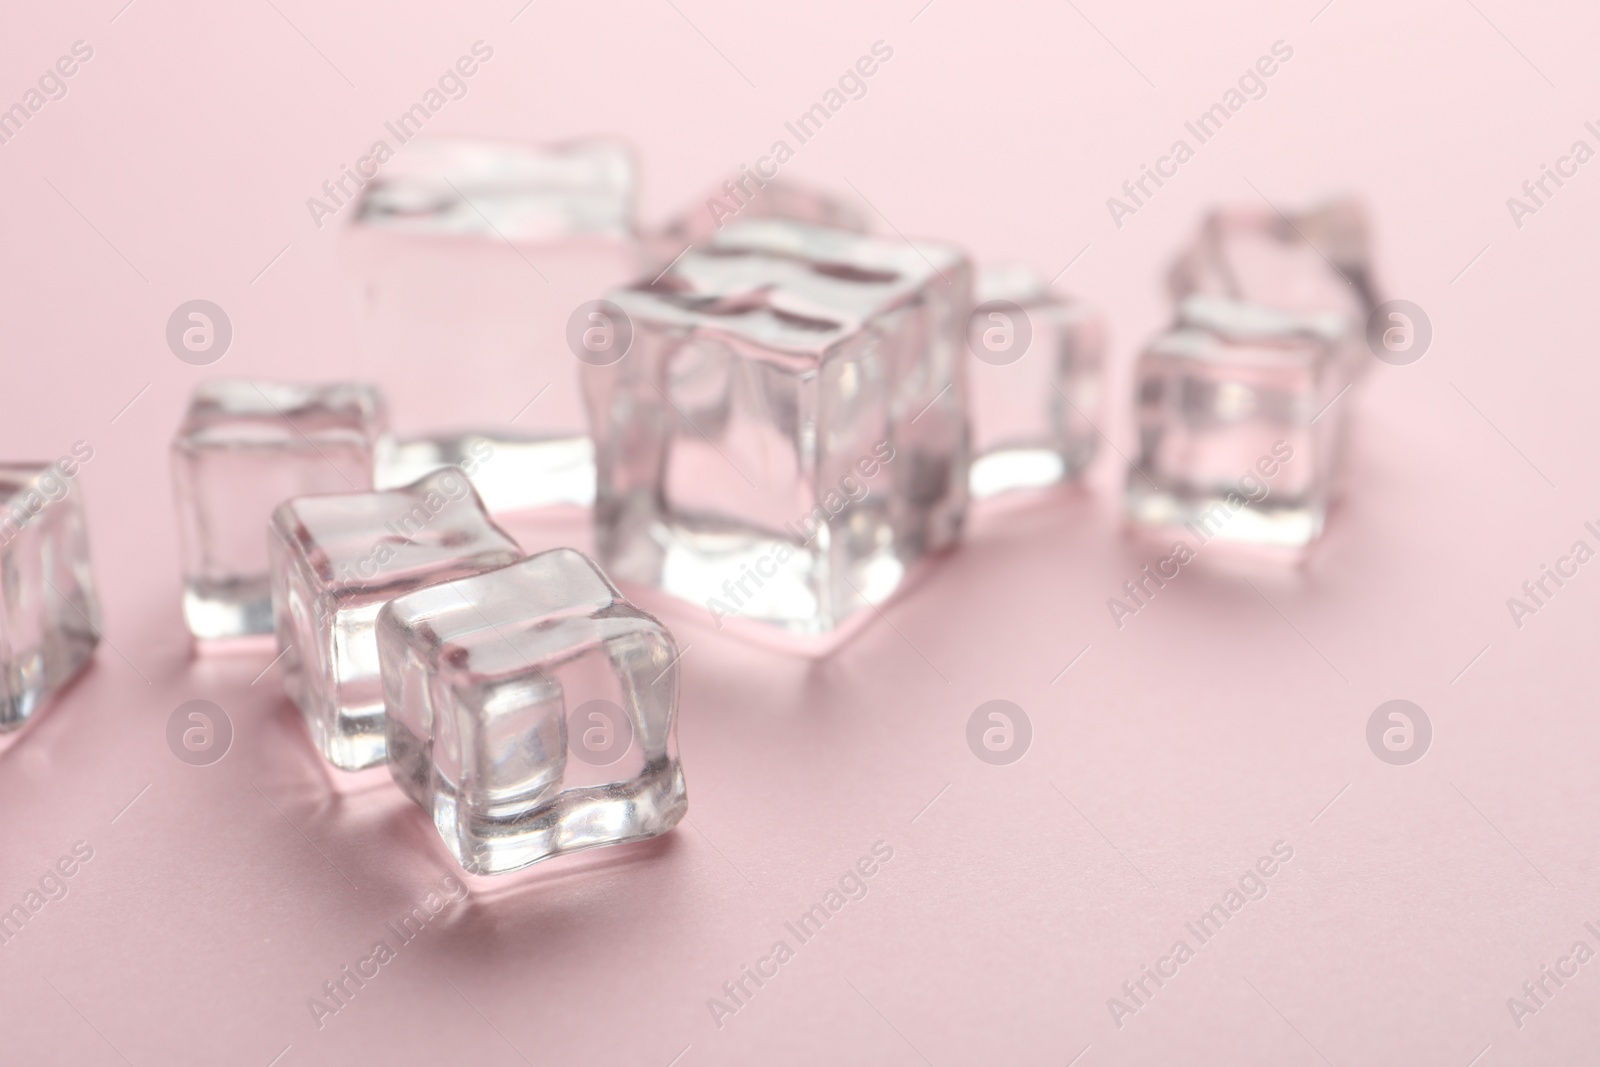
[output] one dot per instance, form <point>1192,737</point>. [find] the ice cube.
<point>1312,261</point>
<point>746,198</point>
<point>503,190</point>
<point>336,560</point>
<point>787,434</point>
<point>510,473</point>
<point>244,448</point>
<point>470,256</point>
<point>1240,411</point>
<point>531,712</point>
<point>1035,381</point>
<point>49,615</point>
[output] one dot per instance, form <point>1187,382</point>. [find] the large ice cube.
<point>244,448</point>
<point>1035,380</point>
<point>49,615</point>
<point>787,434</point>
<point>336,560</point>
<point>1240,413</point>
<point>531,712</point>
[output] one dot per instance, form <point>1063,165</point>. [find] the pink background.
<point>1173,753</point>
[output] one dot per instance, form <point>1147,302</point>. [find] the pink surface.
<point>1170,757</point>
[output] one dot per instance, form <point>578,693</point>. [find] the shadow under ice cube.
<point>336,560</point>
<point>531,712</point>
<point>787,435</point>
<point>244,448</point>
<point>49,614</point>
<point>1241,418</point>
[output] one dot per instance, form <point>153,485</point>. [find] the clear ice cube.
<point>531,712</point>
<point>747,198</point>
<point>470,257</point>
<point>503,189</point>
<point>244,448</point>
<point>49,615</point>
<point>1241,412</point>
<point>1312,261</point>
<point>1035,381</point>
<point>336,560</point>
<point>787,434</point>
<point>510,473</point>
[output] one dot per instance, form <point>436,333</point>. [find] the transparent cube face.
<point>336,560</point>
<point>1035,382</point>
<point>469,258</point>
<point>787,433</point>
<point>744,198</point>
<point>510,473</point>
<point>531,712</point>
<point>1237,438</point>
<point>49,614</point>
<point>1314,261</point>
<point>243,448</point>
<point>734,454</point>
